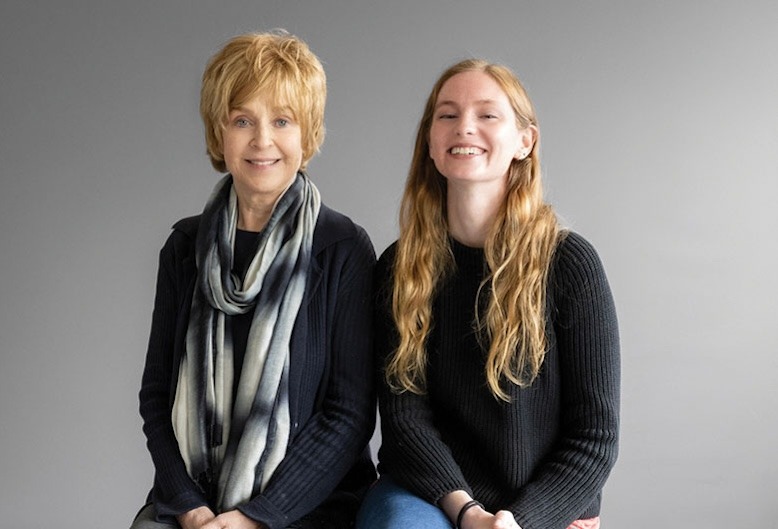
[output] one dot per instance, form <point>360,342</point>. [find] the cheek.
<point>294,146</point>
<point>435,147</point>
<point>296,152</point>
<point>229,144</point>
<point>433,136</point>
<point>511,143</point>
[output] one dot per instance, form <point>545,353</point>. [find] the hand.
<point>196,518</point>
<point>233,520</point>
<point>505,520</point>
<point>478,518</point>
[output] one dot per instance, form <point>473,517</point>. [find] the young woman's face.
<point>474,135</point>
<point>263,150</point>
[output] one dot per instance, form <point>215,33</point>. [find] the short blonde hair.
<point>276,63</point>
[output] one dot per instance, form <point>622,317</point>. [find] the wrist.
<point>468,506</point>
<point>195,517</point>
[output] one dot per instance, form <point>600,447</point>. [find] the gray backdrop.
<point>659,124</point>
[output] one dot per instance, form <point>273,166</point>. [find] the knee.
<point>146,519</point>
<point>389,506</point>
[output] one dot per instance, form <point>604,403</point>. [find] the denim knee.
<point>389,506</point>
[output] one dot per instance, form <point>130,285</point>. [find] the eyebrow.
<point>286,109</point>
<point>453,103</point>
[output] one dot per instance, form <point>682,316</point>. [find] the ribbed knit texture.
<point>545,455</point>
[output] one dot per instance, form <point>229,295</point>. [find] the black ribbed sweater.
<point>544,456</point>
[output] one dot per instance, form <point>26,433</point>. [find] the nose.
<point>262,136</point>
<point>465,126</point>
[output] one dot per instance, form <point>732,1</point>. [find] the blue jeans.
<point>389,506</point>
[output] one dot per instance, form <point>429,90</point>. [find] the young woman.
<point>496,331</point>
<point>256,399</point>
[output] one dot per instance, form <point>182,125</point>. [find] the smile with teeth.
<point>262,163</point>
<point>466,150</point>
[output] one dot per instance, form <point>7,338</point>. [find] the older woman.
<point>496,331</point>
<point>256,396</point>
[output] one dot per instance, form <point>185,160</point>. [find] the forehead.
<point>264,101</point>
<point>280,95</point>
<point>472,88</point>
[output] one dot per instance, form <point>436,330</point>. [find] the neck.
<point>255,208</point>
<point>472,210</point>
<point>254,214</point>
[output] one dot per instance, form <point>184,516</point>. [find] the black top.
<point>243,252</point>
<point>546,454</point>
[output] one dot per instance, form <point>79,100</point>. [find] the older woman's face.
<point>263,150</point>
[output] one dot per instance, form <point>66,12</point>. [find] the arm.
<point>328,444</point>
<point>573,474</point>
<point>174,492</point>
<point>413,451</point>
<point>458,508</point>
<point>196,518</point>
<point>203,518</point>
<point>414,454</point>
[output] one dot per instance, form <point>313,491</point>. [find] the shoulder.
<point>188,226</point>
<point>386,261</point>
<point>388,254</point>
<point>336,230</point>
<point>574,250</point>
<point>384,274</point>
<point>577,266</point>
<point>181,240</point>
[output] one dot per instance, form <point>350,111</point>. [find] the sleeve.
<point>412,452</point>
<point>174,492</point>
<point>329,443</point>
<point>573,474</point>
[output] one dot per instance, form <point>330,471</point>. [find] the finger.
<point>505,520</point>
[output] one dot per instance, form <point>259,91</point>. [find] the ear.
<point>527,139</point>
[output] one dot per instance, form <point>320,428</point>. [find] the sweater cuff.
<point>168,510</point>
<point>262,510</point>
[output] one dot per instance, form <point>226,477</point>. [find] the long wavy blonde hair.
<point>518,251</point>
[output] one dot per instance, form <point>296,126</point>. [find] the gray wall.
<point>660,143</point>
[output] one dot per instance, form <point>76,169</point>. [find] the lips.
<point>466,150</point>
<point>263,163</point>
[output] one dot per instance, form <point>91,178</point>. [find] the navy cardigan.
<point>332,401</point>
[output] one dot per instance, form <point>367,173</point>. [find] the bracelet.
<point>463,510</point>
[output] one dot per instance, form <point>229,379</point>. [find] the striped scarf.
<point>236,446</point>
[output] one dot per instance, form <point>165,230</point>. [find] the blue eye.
<point>281,122</point>
<point>242,122</point>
